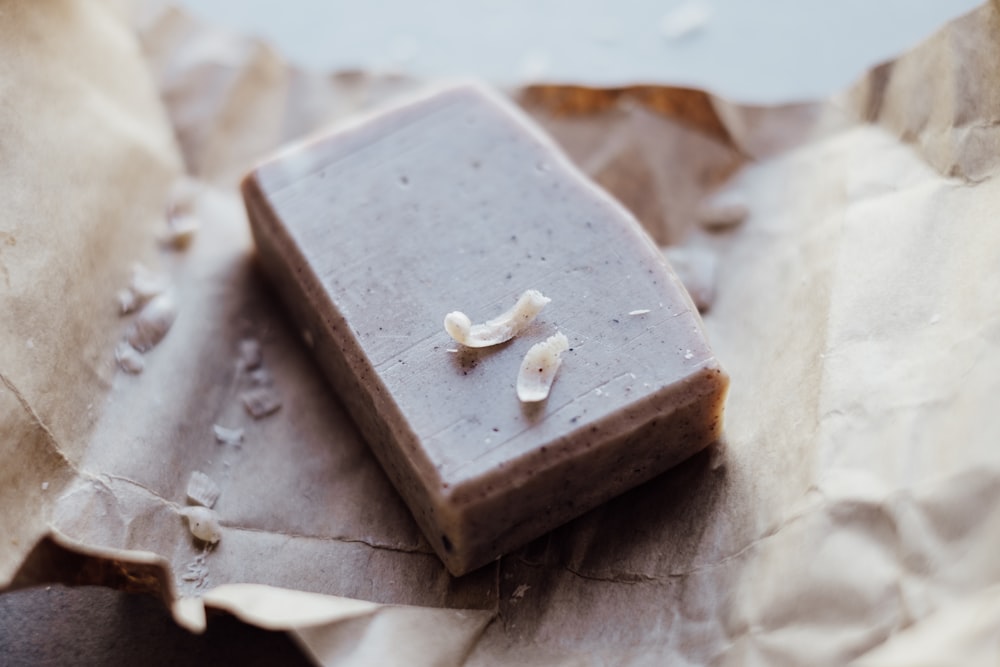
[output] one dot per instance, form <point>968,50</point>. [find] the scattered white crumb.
<point>203,523</point>
<point>501,328</point>
<point>696,267</point>
<point>146,284</point>
<point>196,570</point>
<point>641,311</point>
<point>129,359</point>
<point>260,402</point>
<point>227,436</point>
<point>260,377</point>
<point>519,591</point>
<point>719,216</point>
<point>251,356</point>
<point>716,455</point>
<point>453,350</point>
<point>152,323</point>
<point>183,196</point>
<point>45,486</point>
<point>539,367</point>
<point>201,490</point>
<point>688,354</point>
<point>181,230</point>
<point>685,19</point>
<point>127,301</point>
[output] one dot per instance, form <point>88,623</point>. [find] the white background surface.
<point>763,51</point>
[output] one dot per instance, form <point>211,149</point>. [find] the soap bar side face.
<point>453,202</point>
<point>322,329</point>
<point>587,468</point>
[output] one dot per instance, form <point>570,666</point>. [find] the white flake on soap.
<point>501,328</point>
<point>539,367</point>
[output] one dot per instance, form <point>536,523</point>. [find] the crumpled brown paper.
<point>856,513</point>
<point>86,157</point>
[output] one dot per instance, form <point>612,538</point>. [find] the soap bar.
<point>455,201</point>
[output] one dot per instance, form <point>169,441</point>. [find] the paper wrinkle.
<point>855,311</point>
<point>50,438</point>
<point>965,628</point>
<point>340,538</point>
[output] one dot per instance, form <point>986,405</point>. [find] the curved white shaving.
<point>539,367</point>
<point>500,329</point>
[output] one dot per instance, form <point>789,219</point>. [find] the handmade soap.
<point>455,202</point>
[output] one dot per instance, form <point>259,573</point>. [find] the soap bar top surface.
<point>454,202</point>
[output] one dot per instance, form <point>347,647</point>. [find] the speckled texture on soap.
<point>371,235</point>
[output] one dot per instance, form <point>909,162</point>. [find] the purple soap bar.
<point>457,202</point>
